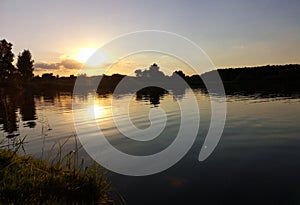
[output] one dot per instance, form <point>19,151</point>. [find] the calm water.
<point>256,160</point>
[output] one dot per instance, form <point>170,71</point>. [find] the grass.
<point>25,180</point>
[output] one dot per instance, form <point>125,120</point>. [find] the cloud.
<point>71,64</point>
<point>64,64</point>
<point>46,66</point>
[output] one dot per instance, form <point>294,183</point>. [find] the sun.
<point>90,56</point>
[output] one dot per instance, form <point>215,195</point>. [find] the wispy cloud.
<point>46,66</point>
<point>63,64</point>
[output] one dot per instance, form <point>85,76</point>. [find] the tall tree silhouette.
<point>180,73</point>
<point>25,65</point>
<point>6,58</point>
<point>152,72</point>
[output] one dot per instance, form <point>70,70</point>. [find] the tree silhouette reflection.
<point>8,110</point>
<point>151,94</point>
<point>27,110</point>
<point>10,103</point>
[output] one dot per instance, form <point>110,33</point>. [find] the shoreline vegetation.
<point>65,180</point>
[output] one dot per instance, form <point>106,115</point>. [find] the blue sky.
<point>232,32</point>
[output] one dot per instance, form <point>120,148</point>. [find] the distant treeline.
<point>262,73</point>
<point>275,78</point>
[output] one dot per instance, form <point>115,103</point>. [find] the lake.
<point>256,161</point>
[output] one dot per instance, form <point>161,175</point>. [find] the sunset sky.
<point>62,34</point>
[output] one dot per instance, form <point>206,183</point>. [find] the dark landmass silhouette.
<point>264,79</point>
<point>276,78</point>
<point>272,79</point>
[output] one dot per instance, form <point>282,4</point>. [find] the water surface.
<point>256,161</point>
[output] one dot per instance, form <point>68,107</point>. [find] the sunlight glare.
<point>91,56</point>
<point>96,111</point>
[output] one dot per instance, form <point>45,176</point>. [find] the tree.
<point>152,72</point>
<point>48,76</point>
<point>180,73</point>
<point>6,58</point>
<point>25,65</point>
<point>155,72</point>
<point>138,73</point>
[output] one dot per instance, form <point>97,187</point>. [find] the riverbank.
<point>25,180</point>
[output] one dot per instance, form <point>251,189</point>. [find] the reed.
<point>62,180</point>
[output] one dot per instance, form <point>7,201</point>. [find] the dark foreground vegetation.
<point>24,180</point>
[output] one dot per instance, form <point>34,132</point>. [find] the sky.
<point>233,33</point>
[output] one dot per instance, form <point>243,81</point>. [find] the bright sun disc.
<point>91,56</point>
